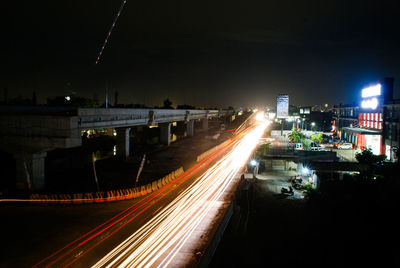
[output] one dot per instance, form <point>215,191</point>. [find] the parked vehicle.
<point>298,146</point>
<point>286,191</point>
<point>316,148</point>
<point>345,146</point>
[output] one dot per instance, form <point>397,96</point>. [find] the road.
<point>153,228</point>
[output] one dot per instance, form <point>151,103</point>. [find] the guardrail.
<point>100,197</point>
<point>212,150</point>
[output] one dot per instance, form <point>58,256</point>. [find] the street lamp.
<point>254,164</point>
<point>306,171</point>
<point>312,125</point>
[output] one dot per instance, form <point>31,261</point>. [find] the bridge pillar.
<point>30,171</point>
<point>165,133</point>
<point>190,128</point>
<point>205,124</point>
<point>123,141</point>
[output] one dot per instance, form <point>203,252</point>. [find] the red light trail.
<point>110,31</point>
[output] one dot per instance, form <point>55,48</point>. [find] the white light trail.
<point>158,241</point>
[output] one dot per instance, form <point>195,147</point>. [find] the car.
<point>345,146</point>
<point>298,146</point>
<point>316,148</point>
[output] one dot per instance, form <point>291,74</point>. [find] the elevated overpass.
<point>29,132</point>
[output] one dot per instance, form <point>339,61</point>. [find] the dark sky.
<point>210,53</point>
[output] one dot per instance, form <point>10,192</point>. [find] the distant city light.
<point>371,91</point>
<point>260,116</point>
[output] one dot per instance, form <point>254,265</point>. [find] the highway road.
<point>151,231</point>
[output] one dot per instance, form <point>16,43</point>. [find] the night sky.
<point>204,53</point>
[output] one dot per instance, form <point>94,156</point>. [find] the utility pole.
<point>106,94</point>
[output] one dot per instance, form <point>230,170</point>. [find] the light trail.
<point>60,257</point>
<point>110,31</point>
<point>159,240</point>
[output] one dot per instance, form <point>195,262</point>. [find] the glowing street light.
<point>306,171</point>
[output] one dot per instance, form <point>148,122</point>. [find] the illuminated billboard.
<point>282,106</point>
<point>370,97</point>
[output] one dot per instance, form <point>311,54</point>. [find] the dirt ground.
<point>271,230</point>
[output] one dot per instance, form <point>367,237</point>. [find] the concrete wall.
<point>38,132</point>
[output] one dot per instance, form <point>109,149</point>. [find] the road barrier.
<point>121,194</point>
<point>212,150</point>
<point>98,197</point>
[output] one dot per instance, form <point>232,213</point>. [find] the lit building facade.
<point>392,129</point>
<point>344,116</point>
<point>368,130</point>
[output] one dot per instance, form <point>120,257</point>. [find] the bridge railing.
<point>93,116</point>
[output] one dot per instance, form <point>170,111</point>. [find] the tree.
<point>167,104</point>
<point>34,98</point>
<point>317,137</point>
<point>295,135</point>
<point>185,106</point>
<point>262,150</point>
<point>369,158</point>
<point>72,101</point>
<point>116,98</point>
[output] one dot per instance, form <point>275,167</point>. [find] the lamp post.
<point>254,164</point>
<point>312,126</point>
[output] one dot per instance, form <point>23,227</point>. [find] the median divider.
<point>212,150</point>
<point>99,197</point>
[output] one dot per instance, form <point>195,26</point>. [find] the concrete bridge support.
<point>123,141</point>
<point>165,133</point>
<point>205,124</point>
<point>30,170</point>
<point>190,128</point>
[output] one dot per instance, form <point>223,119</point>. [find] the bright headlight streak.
<point>141,254</point>
<point>159,240</point>
<point>142,260</point>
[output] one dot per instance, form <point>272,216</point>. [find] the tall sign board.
<point>282,106</point>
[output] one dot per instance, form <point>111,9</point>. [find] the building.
<point>392,129</point>
<point>367,131</point>
<point>282,106</point>
<point>344,116</point>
